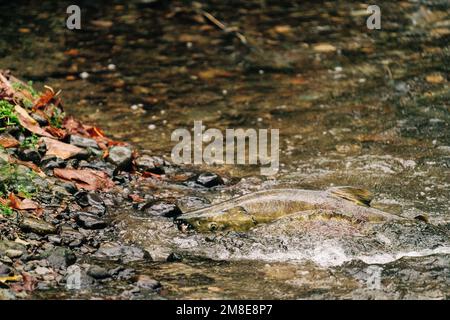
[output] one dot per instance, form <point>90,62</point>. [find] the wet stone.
<point>121,157</point>
<point>37,226</point>
<point>160,208</point>
<point>123,254</point>
<point>89,221</point>
<point>145,282</point>
<point>174,257</point>
<point>51,162</point>
<point>59,257</point>
<point>32,155</point>
<point>4,269</point>
<point>206,179</point>
<point>69,235</point>
<point>91,200</point>
<point>98,272</point>
<point>150,164</point>
<point>82,142</point>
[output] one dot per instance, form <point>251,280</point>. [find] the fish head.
<point>235,218</point>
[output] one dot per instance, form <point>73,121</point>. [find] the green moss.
<point>5,210</point>
<point>7,115</point>
<point>30,142</point>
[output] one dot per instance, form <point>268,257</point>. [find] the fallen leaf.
<point>60,149</point>
<point>72,52</point>
<point>8,141</point>
<point>102,23</point>
<point>27,164</point>
<point>10,279</point>
<point>44,99</point>
<point>213,73</point>
<point>25,204</point>
<point>435,78</point>
<point>324,48</point>
<point>29,123</point>
<point>283,29</point>
<point>88,179</point>
<point>56,132</point>
<point>136,198</point>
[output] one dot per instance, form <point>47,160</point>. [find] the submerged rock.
<point>123,254</point>
<point>59,257</point>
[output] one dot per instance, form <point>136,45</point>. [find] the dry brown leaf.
<point>25,204</point>
<point>29,123</point>
<point>324,48</point>
<point>8,141</point>
<point>435,78</point>
<point>213,73</point>
<point>88,179</point>
<point>60,149</point>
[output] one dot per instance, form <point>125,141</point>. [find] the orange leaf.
<point>60,149</point>
<point>88,179</point>
<point>8,141</point>
<point>26,204</point>
<point>44,99</point>
<point>29,123</point>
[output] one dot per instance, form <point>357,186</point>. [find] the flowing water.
<point>358,107</point>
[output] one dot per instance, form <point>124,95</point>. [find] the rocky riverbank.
<point>60,180</point>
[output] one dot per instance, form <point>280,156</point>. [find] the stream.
<point>358,107</point>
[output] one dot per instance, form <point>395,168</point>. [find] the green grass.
<point>7,115</point>
<point>30,142</point>
<point>5,210</point>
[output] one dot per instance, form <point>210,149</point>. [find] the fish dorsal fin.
<point>359,196</point>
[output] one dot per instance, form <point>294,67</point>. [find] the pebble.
<point>84,75</point>
<point>89,221</point>
<point>37,226</point>
<point>208,179</point>
<point>59,257</point>
<point>151,127</point>
<point>145,282</point>
<point>97,272</point>
<point>122,254</point>
<point>11,253</point>
<point>121,157</point>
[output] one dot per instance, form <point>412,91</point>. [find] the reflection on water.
<point>354,107</point>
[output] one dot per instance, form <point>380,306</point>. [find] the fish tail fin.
<point>359,196</point>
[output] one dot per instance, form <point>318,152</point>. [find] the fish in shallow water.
<point>245,212</point>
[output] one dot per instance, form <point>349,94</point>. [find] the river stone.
<point>98,272</point>
<point>77,278</point>
<point>160,208</point>
<point>207,179</point>
<point>59,257</point>
<point>29,155</point>
<point>145,282</point>
<point>123,254</point>
<point>150,164</point>
<point>82,142</point>
<point>37,226</point>
<point>4,270</point>
<point>121,157</point>
<point>92,201</point>
<point>6,245</point>
<point>11,253</point>
<point>89,221</point>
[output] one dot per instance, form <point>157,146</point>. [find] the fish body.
<point>245,212</point>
